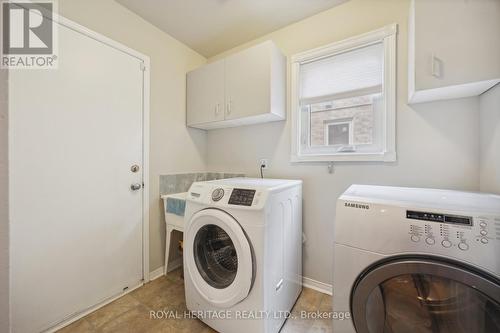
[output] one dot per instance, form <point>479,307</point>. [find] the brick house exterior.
<point>358,111</point>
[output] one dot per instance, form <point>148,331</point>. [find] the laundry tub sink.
<point>174,206</point>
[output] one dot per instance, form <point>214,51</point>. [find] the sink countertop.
<point>179,196</point>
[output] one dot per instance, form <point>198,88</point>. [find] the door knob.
<point>135,187</point>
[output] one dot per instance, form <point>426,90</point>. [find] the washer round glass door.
<point>218,257</point>
<point>215,256</point>
<point>425,296</point>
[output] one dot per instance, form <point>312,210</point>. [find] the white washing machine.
<point>416,260</point>
<point>243,252</point>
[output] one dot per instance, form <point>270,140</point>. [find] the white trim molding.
<point>156,273</point>
<point>386,152</point>
<point>346,44</point>
<point>160,271</point>
<point>145,166</point>
<point>322,287</point>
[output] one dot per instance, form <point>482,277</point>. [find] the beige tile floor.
<point>131,313</point>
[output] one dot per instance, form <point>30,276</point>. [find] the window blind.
<point>351,71</point>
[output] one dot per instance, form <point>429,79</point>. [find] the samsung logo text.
<point>356,205</point>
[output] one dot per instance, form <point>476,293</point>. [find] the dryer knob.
<point>217,194</point>
<point>463,246</point>
<point>446,243</point>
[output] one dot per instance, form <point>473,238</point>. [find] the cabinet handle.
<point>436,66</point>
<point>279,285</point>
<point>217,109</point>
<point>228,107</point>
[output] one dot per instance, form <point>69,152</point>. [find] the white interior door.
<point>76,224</point>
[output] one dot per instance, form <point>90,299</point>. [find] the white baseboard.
<point>173,265</point>
<point>322,287</point>
<point>156,273</point>
<point>87,311</point>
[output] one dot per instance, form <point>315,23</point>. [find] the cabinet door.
<point>457,42</point>
<point>248,82</point>
<point>205,94</point>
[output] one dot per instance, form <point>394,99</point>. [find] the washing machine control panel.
<point>241,197</point>
<point>225,196</point>
<point>452,231</point>
<point>219,194</point>
<point>238,196</point>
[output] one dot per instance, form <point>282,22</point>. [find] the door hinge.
<point>142,66</point>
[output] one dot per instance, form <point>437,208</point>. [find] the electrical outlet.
<point>264,162</point>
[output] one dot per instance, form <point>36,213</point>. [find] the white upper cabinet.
<point>454,48</point>
<point>249,87</point>
<point>205,94</point>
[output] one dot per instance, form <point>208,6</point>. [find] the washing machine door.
<point>425,295</point>
<point>218,257</point>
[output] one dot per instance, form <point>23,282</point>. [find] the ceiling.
<point>213,26</point>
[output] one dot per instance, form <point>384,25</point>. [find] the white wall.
<point>437,144</point>
<point>4,205</point>
<point>489,105</point>
<point>174,147</point>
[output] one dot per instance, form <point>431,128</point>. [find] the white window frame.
<point>334,122</point>
<point>386,36</point>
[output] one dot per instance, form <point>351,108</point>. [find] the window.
<point>338,132</point>
<point>343,100</point>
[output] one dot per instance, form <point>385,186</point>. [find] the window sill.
<point>346,157</point>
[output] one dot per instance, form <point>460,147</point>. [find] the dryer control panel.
<point>448,231</point>
<point>392,221</point>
